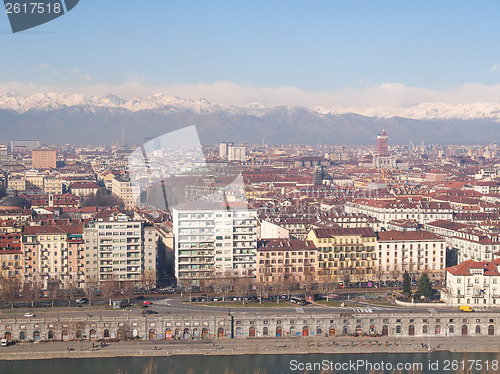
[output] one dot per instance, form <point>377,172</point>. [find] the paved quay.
<point>83,349</point>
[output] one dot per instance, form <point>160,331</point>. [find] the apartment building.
<point>119,249</point>
<point>36,181</point>
<point>10,255</point>
<point>386,210</point>
<point>53,254</point>
<point>413,251</point>
<point>471,242</point>
<point>281,260</point>
<point>345,254</point>
<point>44,158</point>
<point>475,283</point>
<point>213,239</point>
<point>125,190</point>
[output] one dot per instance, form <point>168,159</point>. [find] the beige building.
<point>280,260</point>
<point>36,181</point>
<point>345,255</point>
<point>120,250</point>
<point>122,188</point>
<point>413,251</point>
<point>53,254</point>
<point>44,158</point>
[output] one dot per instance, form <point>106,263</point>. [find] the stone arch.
<point>106,333</point>
<point>8,335</point>
<point>437,330</point>
<point>50,335</point>
<point>398,329</point>
<point>152,334</point>
<point>65,335</point>
<point>478,329</point>
<point>204,333</point>
<point>305,331</point>
<point>265,331</point>
<point>120,334</point>
<point>491,330</point>
<point>22,335</point>
<point>220,333</point>
<point>78,334</point>
<point>93,334</point>
<point>36,335</point>
<point>318,330</point>
<point>279,332</point>
<point>186,334</point>
<point>251,332</point>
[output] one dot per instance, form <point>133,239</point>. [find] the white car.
<point>29,315</point>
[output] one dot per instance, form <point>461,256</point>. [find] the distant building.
<point>473,283</point>
<point>224,149</point>
<point>83,189</point>
<point>382,144</point>
<point>236,153</point>
<point>10,256</point>
<point>23,146</point>
<point>4,153</point>
<point>44,158</point>
<point>125,190</point>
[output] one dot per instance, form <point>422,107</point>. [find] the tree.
<point>11,287</point>
<point>109,289</point>
<point>102,198</point>
<point>128,289</point>
<point>424,286</point>
<point>242,286</point>
<point>53,285</point>
<point>406,284</point>
<point>32,290</point>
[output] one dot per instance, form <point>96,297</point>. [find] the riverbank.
<point>254,346</point>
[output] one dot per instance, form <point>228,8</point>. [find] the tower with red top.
<point>382,143</point>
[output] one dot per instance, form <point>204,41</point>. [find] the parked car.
<point>149,312</point>
<point>146,302</point>
<point>29,314</point>
<point>81,301</point>
<point>4,343</point>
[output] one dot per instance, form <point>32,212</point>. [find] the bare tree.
<point>11,287</point>
<point>32,290</point>
<point>148,280</point>
<point>128,290</point>
<point>53,285</point>
<point>242,287</point>
<point>91,290</point>
<point>109,289</point>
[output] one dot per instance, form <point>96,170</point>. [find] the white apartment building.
<point>471,243</point>
<point>386,210</point>
<point>473,283</point>
<point>119,249</point>
<point>128,192</point>
<point>214,239</point>
<point>35,180</point>
<point>236,153</point>
<point>413,251</point>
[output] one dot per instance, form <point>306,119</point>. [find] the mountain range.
<point>76,119</point>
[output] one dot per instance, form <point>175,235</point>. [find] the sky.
<point>325,53</point>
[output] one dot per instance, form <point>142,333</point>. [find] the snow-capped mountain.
<point>159,102</point>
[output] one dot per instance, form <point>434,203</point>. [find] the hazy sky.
<point>349,53</point>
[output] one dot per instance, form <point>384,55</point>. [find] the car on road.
<point>81,301</point>
<point>149,312</point>
<point>146,302</point>
<point>29,314</point>
<point>466,308</point>
<point>4,343</point>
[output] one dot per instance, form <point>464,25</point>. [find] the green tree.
<point>424,286</point>
<point>406,284</point>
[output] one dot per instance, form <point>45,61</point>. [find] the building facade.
<point>281,260</point>
<point>213,239</point>
<point>44,158</point>
<point>473,283</point>
<point>345,255</point>
<point>413,251</point>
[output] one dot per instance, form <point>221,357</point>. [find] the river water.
<point>436,362</point>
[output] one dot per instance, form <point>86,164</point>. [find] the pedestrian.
<point>93,345</point>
